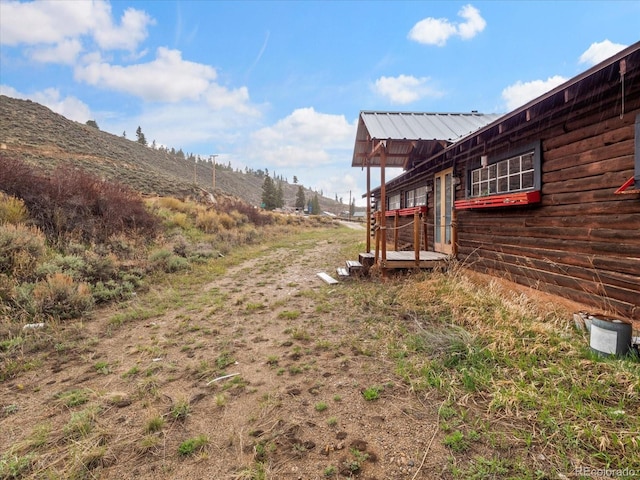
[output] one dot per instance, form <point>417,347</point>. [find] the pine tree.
<point>279,196</point>
<point>315,205</point>
<point>141,138</point>
<point>269,194</point>
<point>300,197</point>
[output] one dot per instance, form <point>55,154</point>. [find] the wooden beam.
<point>376,149</point>
<point>383,205</point>
<point>416,237</point>
<point>396,231</point>
<point>368,208</point>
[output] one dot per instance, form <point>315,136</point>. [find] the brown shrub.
<point>73,203</point>
<point>60,297</point>
<point>21,247</point>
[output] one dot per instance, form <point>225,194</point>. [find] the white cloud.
<point>69,107</point>
<point>64,52</point>
<point>60,26</point>
<point>600,51</point>
<point>474,22</point>
<point>305,135</point>
<point>33,23</point>
<point>404,89</point>
<point>128,35</point>
<point>520,93</point>
<point>436,31</point>
<point>168,78</point>
<point>220,98</point>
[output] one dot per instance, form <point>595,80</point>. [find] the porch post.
<point>383,205</point>
<point>396,231</point>
<point>368,206</point>
<point>425,231</point>
<point>416,237</point>
<point>454,233</point>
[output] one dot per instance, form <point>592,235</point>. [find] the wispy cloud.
<point>260,53</point>
<point>436,31</point>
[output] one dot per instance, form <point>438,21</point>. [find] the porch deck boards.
<point>407,259</point>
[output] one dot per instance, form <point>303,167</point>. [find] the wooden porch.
<point>405,259</point>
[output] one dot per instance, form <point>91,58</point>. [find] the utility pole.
<point>213,159</point>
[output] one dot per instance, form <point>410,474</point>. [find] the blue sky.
<point>279,85</point>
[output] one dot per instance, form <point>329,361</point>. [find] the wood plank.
<point>342,272</point>
<point>575,246</point>
<point>588,170</point>
<point>623,308</point>
<point>494,231</point>
<point>586,272</point>
<point>609,180</point>
<point>568,285</point>
<point>622,265</point>
<point>327,278</point>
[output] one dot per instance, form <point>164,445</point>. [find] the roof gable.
<point>402,130</point>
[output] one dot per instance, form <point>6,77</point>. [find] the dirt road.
<point>307,393</point>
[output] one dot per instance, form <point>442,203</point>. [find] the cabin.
<point>547,195</point>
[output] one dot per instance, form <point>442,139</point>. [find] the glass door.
<point>443,205</point>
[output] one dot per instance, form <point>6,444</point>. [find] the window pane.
<point>484,174</point>
<point>527,180</point>
<point>502,169</point>
<point>527,161</point>
<point>493,186</point>
<point>514,165</point>
<point>475,190</point>
<point>475,176</point>
<point>492,171</point>
<point>503,184</point>
<point>514,183</point>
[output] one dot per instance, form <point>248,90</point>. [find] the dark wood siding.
<point>582,241</point>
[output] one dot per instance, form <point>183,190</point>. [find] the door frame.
<point>443,212</point>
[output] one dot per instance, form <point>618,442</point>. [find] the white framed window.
<point>421,196</point>
<point>409,199</point>
<point>394,202</point>
<point>515,173</point>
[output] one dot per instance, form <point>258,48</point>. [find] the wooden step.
<point>367,259</point>
<point>353,266</point>
<point>327,278</point>
<point>342,272</point>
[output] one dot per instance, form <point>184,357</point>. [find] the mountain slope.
<point>39,136</point>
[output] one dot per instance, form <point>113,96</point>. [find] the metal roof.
<point>402,131</point>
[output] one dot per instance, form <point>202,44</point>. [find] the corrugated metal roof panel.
<point>404,128</point>
<point>423,126</point>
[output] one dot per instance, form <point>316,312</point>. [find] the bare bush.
<point>73,203</point>
<point>61,297</point>
<point>21,247</point>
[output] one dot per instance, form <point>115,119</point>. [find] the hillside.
<point>34,133</point>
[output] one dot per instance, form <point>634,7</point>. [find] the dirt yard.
<point>305,394</point>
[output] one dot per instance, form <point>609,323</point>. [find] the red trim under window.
<point>625,186</point>
<point>506,200</point>
<point>407,212</point>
